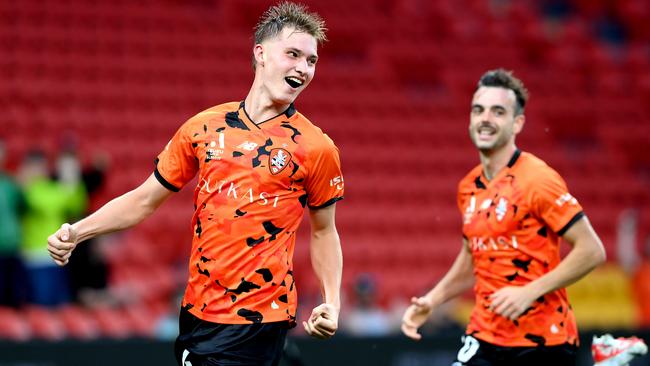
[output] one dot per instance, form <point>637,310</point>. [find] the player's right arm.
<point>458,279</point>
<point>121,213</point>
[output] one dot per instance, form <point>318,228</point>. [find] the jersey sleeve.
<point>324,183</point>
<point>552,202</point>
<point>460,197</point>
<point>177,164</point>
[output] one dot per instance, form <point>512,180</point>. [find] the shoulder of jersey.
<point>218,111</point>
<point>532,168</point>
<point>468,180</point>
<point>312,132</point>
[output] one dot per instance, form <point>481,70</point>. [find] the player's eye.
<point>497,111</point>
<point>292,53</point>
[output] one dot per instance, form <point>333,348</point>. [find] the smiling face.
<point>285,65</point>
<point>493,123</point>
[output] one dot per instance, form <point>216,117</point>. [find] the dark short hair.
<point>502,78</point>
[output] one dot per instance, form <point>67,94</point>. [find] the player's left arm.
<point>327,262</point>
<point>586,254</point>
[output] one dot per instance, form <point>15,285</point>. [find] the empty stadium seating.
<point>392,89</point>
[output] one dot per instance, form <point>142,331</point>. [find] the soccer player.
<point>259,163</point>
<point>515,209</point>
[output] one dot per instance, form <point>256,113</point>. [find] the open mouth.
<point>486,130</point>
<point>294,82</point>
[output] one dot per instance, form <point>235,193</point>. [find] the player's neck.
<point>494,161</point>
<point>260,107</point>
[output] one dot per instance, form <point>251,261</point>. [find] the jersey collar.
<point>479,179</point>
<point>514,158</point>
<point>288,113</point>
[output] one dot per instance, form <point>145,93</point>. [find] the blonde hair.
<point>288,14</point>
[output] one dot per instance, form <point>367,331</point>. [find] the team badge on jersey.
<point>278,160</point>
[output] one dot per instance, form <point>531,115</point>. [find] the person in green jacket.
<point>11,205</point>
<point>49,203</point>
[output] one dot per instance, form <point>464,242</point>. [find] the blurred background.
<point>91,91</point>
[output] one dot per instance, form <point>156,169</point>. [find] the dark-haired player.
<point>515,209</point>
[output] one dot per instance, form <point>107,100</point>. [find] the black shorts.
<point>476,352</point>
<point>203,343</point>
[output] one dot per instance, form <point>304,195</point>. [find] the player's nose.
<point>301,66</point>
<point>486,117</point>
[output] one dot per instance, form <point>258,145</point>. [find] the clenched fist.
<point>61,244</point>
<point>323,322</point>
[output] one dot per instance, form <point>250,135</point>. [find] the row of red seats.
<point>32,322</point>
<point>396,105</point>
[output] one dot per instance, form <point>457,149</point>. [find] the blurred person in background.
<point>641,285</point>
<point>515,210</point>
<point>48,203</point>
<point>166,327</point>
<point>635,260</point>
<point>12,204</point>
<point>88,268</point>
<point>260,162</point>
<point>365,317</point>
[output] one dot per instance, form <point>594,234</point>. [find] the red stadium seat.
<point>44,323</point>
<point>112,323</point>
<point>79,323</point>
<point>14,326</point>
<point>396,104</point>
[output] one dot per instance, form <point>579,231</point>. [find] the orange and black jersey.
<point>254,181</point>
<point>513,224</point>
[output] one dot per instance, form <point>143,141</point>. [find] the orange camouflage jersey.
<point>512,225</point>
<point>254,181</point>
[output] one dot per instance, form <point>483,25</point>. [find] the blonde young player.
<point>259,162</point>
<point>515,209</point>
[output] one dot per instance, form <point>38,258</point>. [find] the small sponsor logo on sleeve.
<point>337,182</point>
<point>566,198</point>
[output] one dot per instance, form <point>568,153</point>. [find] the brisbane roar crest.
<point>278,160</point>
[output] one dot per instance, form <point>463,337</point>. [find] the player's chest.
<point>272,152</point>
<point>496,209</point>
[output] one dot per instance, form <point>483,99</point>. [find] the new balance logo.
<point>250,146</point>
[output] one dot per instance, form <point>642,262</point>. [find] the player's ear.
<point>259,54</point>
<point>520,121</point>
